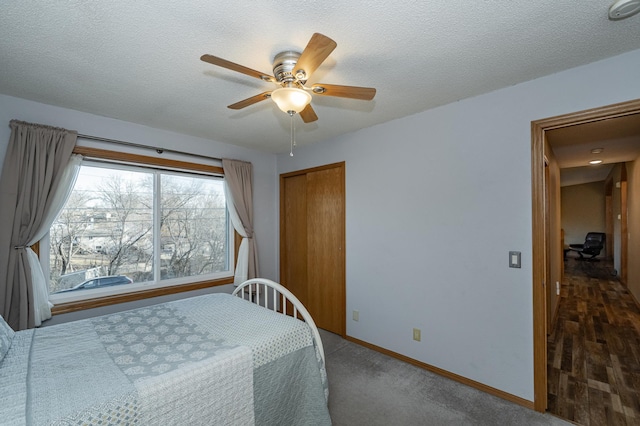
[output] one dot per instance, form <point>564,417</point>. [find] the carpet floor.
<point>370,388</point>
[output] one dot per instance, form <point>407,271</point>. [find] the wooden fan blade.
<point>317,50</point>
<point>250,101</point>
<point>308,115</point>
<point>235,67</point>
<point>353,92</point>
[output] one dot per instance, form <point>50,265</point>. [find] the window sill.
<point>63,308</point>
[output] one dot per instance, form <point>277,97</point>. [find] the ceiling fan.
<point>291,70</point>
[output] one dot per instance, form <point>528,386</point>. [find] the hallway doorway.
<point>540,242</point>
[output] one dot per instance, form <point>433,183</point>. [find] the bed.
<point>217,359</point>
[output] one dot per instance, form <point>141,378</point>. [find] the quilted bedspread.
<point>208,360</point>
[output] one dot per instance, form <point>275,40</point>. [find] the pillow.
<point>6,336</point>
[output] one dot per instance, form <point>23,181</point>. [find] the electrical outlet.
<point>558,288</point>
<point>416,334</point>
<point>356,315</point>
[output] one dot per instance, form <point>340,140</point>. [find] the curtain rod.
<point>137,145</point>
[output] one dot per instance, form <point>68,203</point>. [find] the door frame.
<point>539,249</point>
<point>624,225</point>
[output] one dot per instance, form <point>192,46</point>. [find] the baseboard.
<point>449,375</point>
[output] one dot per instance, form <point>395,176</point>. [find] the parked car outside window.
<point>100,282</point>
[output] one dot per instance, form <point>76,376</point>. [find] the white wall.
<point>435,202</point>
<point>264,165</point>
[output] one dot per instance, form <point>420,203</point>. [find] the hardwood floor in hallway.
<point>594,350</point>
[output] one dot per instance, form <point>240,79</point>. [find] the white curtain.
<point>41,303</point>
<point>242,262</point>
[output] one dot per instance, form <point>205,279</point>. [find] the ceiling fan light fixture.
<point>291,99</point>
<point>291,69</point>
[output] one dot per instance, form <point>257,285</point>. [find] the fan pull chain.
<point>293,140</point>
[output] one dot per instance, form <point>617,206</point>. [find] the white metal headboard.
<point>256,290</point>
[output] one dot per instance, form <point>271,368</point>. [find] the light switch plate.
<point>514,259</point>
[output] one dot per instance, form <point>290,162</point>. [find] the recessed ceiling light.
<point>594,162</point>
<point>597,150</point>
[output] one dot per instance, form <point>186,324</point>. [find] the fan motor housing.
<point>283,65</point>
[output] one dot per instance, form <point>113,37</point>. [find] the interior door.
<point>312,262</point>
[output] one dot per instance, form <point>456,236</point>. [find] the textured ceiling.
<point>139,60</point>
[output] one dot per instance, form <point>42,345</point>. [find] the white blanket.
<point>187,398</point>
<point>210,360</point>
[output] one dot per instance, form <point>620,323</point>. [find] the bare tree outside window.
<point>106,228</point>
<point>66,233</point>
<point>193,227</point>
<point>128,200</point>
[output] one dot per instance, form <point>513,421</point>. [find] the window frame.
<point>112,299</point>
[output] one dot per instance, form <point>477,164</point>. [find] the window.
<point>127,228</point>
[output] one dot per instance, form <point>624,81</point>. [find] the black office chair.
<point>593,245</point>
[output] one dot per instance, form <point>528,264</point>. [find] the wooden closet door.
<point>312,242</point>
<point>293,236</point>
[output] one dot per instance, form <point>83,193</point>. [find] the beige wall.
<point>583,210</point>
<point>633,209</point>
